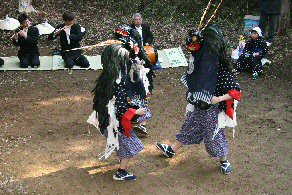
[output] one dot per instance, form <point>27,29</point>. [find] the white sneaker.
<point>269,44</point>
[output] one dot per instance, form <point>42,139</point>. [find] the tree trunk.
<point>284,17</point>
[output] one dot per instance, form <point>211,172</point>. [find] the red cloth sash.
<point>126,120</point>
<point>236,95</point>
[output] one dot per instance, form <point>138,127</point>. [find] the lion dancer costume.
<point>123,77</point>
<point>137,93</point>
<point>208,78</point>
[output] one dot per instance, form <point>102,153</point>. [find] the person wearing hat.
<point>27,38</point>
<point>255,49</point>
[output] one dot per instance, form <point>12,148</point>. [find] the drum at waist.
<point>152,54</point>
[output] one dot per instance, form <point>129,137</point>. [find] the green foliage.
<point>186,11</point>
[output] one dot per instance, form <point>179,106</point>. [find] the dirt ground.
<point>46,146</point>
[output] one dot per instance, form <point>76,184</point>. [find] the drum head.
<point>152,54</point>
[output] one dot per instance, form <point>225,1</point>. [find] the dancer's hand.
<point>256,54</point>
<point>140,111</point>
<point>216,99</point>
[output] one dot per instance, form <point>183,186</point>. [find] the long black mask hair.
<point>113,57</point>
<point>214,39</point>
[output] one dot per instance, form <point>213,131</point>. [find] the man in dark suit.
<point>27,39</point>
<point>70,36</point>
<point>143,29</point>
<point>147,39</point>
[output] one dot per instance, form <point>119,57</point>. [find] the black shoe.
<point>141,129</point>
<point>225,167</point>
<point>123,175</point>
<point>134,120</point>
<point>165,149</point>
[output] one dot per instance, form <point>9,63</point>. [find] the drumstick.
<point>108,42</point>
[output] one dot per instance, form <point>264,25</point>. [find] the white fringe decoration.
<point>226,121</point>
<point>112,139</point>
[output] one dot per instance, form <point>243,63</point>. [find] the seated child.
<point>254,51</point>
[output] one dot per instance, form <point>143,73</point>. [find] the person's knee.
<point>69,63</point>
<point>24,61</point>
<point>84,63</point>
<point>24,64</point>
<point>1,62</point>
<point>35,63</point>
<point>68,60</point>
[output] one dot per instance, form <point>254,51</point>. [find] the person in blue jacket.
<point>255,49</point>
